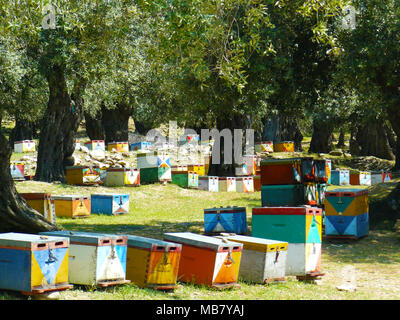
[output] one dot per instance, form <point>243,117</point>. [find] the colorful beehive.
<point>109,203</point>
<point>301,227</point>
<point>119,146</point>
<point>281,171</point>
<point>207,260</point>
<point>95,145</point>
<point>346,213</point>
<point>264,146</point>
<point>284,146</point>
<point>228,219</point>
<point>82,175</point>
<point>244,184</point>
<point>24,146</point>
<point>143,145</point>
<point>152,263</point>
<point>257,183</point>
<point>379,177</point>
<point>42,203</point>
<point>282,195</point>
<point>308,172</point>
<point>251,164</point>
<point>192,138</point>
<point>208,183</point>
<point>230,184</point>
<point>154,167</point>
<point>322,171</point>
<point>241,170</point>
<point>340,177</point>
<point>328,170</point>
<point>95,259</point>
<point>185,179</point>
<point>200,169</point>
<point>17,169</point>
<point>263,260</point>
<point>71,206</point>
<point>222,184</point>
<point>33,264</point>
<point>360,178</point>
<point>118,177</point>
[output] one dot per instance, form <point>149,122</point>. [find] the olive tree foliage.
<point>370,58</point>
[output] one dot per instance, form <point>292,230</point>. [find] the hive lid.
<point>257,244</point>
<point>69,197</point>
<point>346,192</point>
<point>198,240</point>
<point>26,240</point>
<point>86,237</point>
<point>109,194</point>
<point>225,209</point>
<point>300,210</point>
<point>149,243</point>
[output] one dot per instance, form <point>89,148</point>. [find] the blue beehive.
<point>143,145</point>
<point>110,203</point>
<point>229,219</point>
<point>340,177</point>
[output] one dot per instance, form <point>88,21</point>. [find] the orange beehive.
<point>207,260</point>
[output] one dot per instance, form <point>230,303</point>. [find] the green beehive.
<point>185,179</point>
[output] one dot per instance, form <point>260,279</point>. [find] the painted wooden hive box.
<point>241,170</point>
<point>33,264</point>
<point>208,183</point>
<point>257,183</point>
<point>244,184</point>
<point>24,146</point>
<point>207,260</point>
<point>82,175</point>
<point>264,146</point>
<point>109,203</point>
<point>284,146</point>
<point>185,179</point>
<point>200,169</point>
<point>95,259</point>
<point>71,206</point>
<point>251,162</point>
<point>340,177</point>
<point>154,167</point>
<point>379,177</point>
<point>283,195</point>
<point>346,213</point>
<point>225,219</point>
<point>263,260</point>
<point>95,145</point>
<point>280,171</point>
<point>358,178</point>
<point>143,145</point>
<point>118,146</point>
<point>17,169</point>
<point>119,177</point>
<point>301,227</point>
<point>329,170</point>
<point>152,263</point>
<point>42,203</point>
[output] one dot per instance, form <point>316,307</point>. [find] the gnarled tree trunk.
<point>15,214</point>
<point>94,127</point>
<point>321,140</point>
<point>115,123</point>
<point>59,126</point>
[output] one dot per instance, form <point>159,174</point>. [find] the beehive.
<point>225,219</point>
<point>208,183</point>
<point>119,177</point>
<point>17,169</point>
<point>143,145</point>
<point>207,260</point>
<point>82,175</point>
<point>257,183</point>
<point>360,178</point>
<point>282,195</point>
<point>379,177</point>
<point>42,203</point>
<point>200,169</point>
<point>185,179</point>
<point>109,203</point>
<point>95,259</point>
<point>301,227</point>
<point>264,146</point>
<point>244,184</point>
<point>281,171</point>
<point>95,145</point>
<point>118,146</point>
<point>284,146</point>
<point>152,263</point>
<point>33,264</point>
<point>71,206</point>
<point>346,213</point>
<point>263,260</point>
<point>24,146</point>
<point>340,177</point>
<point>154,167</point>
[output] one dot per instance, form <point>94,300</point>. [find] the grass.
<point>155,209</point>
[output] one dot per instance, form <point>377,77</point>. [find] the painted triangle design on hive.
<point>341,224</point>
<point>351,228</point>
<point>49,262</point>
<point>313,233</point>
<point>340,204</point>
